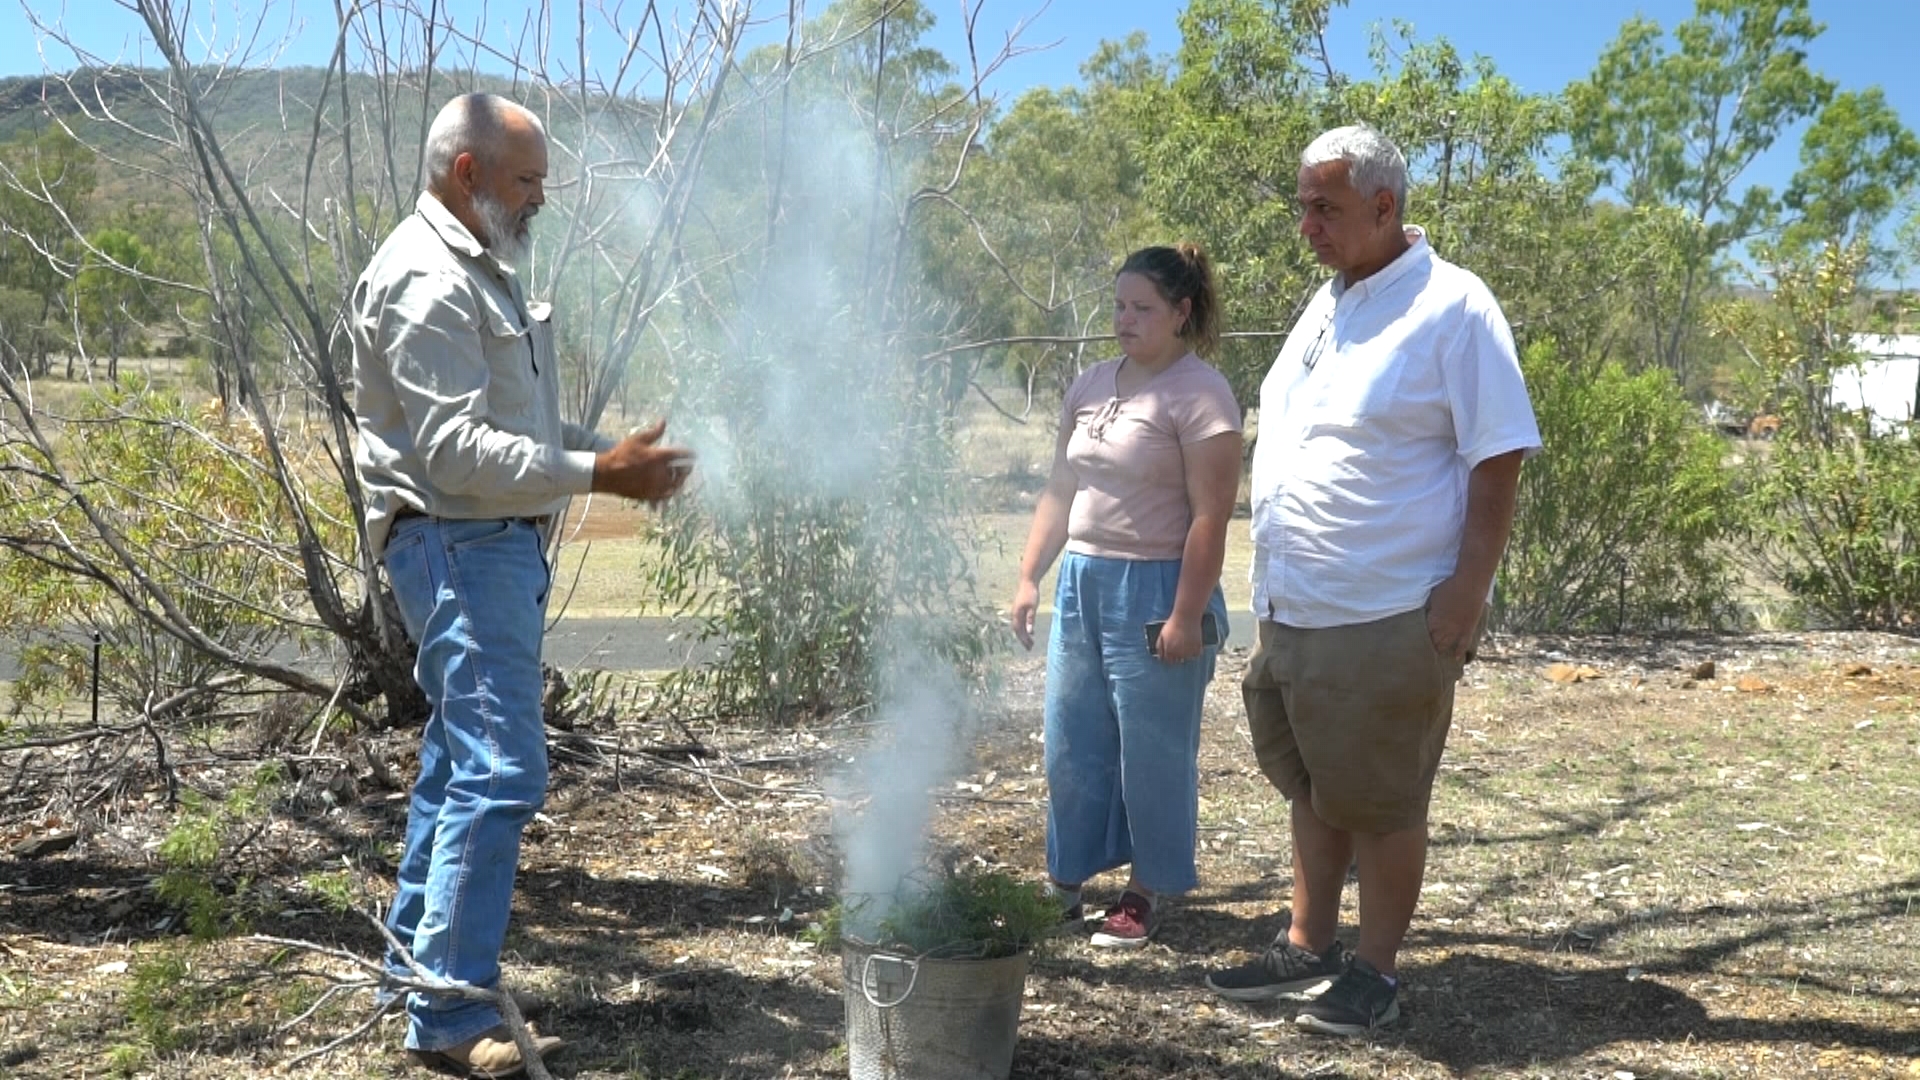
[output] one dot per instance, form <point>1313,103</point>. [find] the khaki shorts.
<point>1352,717</point>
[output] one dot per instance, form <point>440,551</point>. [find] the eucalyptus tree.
<point>1676,130</point>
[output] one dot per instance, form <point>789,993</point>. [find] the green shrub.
<point>334,889</point>
<point>124,1060</point>
<point>813,573</point>
<point>982,915</point>
<point>193,509</point>
<point>164,1001</point>
<point>1835,507</point>
<point>1837,522</point>
<point>199,845</point>
<point>1622,522</point>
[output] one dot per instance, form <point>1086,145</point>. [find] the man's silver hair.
<point>1374,164</point>
<point>470,124</point>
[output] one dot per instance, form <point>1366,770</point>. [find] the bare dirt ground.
<point>1638,871</point>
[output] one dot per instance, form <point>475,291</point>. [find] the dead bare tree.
<point>275,265</point>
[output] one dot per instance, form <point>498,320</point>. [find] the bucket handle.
<point>866,979</point>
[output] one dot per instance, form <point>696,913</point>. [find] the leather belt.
<point>407,512</point>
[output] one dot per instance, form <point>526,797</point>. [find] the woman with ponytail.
<point>1145,473</point>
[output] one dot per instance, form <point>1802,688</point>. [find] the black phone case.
<point>1209,632</point>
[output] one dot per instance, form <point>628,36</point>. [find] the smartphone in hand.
<point>1209,632</point>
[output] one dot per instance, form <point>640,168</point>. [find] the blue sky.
<point>1540,44</point>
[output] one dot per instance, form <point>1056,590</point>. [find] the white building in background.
<point>1884,380</point>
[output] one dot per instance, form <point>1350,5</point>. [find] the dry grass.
<point>1641,874</point>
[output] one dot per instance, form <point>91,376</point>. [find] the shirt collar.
<point>1418,253</point>
<point>452,233</point>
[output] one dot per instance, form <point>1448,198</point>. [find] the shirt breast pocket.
<point>1353,394</point>
<point>544,359</point>
<point>510,358</point>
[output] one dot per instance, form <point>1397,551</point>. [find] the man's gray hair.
<point>1374,164</point>
<point>470,124</point>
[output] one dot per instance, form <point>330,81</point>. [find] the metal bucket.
<point>918,1018</point>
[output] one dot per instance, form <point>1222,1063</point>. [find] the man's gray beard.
<point>504,238</point>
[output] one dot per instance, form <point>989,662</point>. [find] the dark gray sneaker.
<point>1284,970</point>
<point>1357,1003</point>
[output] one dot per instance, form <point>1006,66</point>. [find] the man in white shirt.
<point>1392,428</point>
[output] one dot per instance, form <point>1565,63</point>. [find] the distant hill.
<point>264,120</point>
<point>27,102</point>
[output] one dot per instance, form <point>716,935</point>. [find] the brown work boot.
<point>491,1056</point>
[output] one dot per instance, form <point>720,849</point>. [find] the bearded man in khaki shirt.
<point>466,466</point>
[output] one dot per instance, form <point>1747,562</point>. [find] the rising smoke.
<point>920,740</point>
<point>799,394</point>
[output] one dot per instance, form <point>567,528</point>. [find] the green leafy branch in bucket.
<point>982,915</point>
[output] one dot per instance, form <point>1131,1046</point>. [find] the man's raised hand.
<point>639,468</point>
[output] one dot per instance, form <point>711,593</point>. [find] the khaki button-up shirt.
<point>456,386</point>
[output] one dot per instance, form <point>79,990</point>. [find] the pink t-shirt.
<point>1130,495</point>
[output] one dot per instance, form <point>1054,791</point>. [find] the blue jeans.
<point>1122,727</point>
<point>474,596</point>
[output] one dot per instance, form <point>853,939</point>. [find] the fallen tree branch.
<point>709,775</point>
<point>88,735</point>
<point>384,1007</point>
<point>419,980</point>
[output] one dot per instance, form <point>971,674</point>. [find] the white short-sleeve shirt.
<point>1384,397</point>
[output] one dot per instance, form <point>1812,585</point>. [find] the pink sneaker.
<point>1130,923</point>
